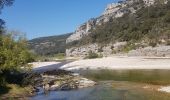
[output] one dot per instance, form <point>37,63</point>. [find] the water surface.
<point>117,85</point>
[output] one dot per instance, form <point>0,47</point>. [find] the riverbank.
<point>15,92</point>
<point>42,64</point>
<point>119,63</point>
<point>153,71</point>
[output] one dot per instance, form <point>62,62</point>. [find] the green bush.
<point>60,55</point>
<point>153,44</point>
<point>128,47</point>
<point>168,42</point>
<point>14,55</point>
<point>92,55</point>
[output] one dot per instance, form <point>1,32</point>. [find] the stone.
<point>83,51</point>
<point>84,82</point>
<point>160,51</point>
<point>59,80</point>
<point>112,11</point>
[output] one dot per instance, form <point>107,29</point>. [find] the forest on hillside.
<point>49,45</point>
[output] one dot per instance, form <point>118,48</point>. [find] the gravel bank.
<point>120,63</point>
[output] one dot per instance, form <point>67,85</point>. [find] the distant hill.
<point>49,45</point>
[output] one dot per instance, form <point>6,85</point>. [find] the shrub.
<point>153,44</point>
<point>92,55</point>
<point>14,55</point>
<point>168,42</point>
<point>60,56</point>
<point>128,47</point>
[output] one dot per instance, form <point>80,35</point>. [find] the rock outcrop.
<point>82,31</point>
<point>58,80</point>
<point>106,50</point>
<point>112,11</point>
<point>160,51</point>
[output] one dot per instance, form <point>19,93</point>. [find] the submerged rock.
<point>59,80</point>
<point>84,82</point>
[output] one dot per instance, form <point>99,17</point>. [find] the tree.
<point>14,53</point>
<point>14,56</point>
<point>4,3</point>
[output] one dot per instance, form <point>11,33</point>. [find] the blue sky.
<point>38,18</point>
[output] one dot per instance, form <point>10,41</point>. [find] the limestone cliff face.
<point>113,10</point>
<point>82,30</point>
<point>106,50</point>
<point>160,51</point>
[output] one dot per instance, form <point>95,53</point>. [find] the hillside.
<point>49,45</point>
<point>125,26</point>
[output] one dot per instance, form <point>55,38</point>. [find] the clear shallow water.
<point>124,85</point>
<point>103,91</point>
<point>107,90</point>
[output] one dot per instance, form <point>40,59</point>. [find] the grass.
<point>156,77</point>
<point>60,56</point>
<point>12,91</point>
<point>93,55</point>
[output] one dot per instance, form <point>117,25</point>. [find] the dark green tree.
<point>4,3</point>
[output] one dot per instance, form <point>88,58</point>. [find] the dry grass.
<point>16,92</point>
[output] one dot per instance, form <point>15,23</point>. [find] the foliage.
<point>168,42</point>
<point>49,46</point>
<point>151,23</point>
<point>15,92</point>
<point>60,56</point>
<point>153,44</point>
<point>14,55</point>
<point>4,3</point>
<point>128,47</point>
<point>92,55</point>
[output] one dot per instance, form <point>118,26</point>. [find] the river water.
<point>122,85</point>
<point>103,91</point>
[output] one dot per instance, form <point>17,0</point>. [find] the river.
<point>122,85</point>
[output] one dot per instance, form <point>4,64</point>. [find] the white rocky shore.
<point>115,63</point>
<point>165,89</point>
<point>42,64</point>
<point>120,63</point>
<point>57,79</point>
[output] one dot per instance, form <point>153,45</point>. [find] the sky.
<point>39,18</point>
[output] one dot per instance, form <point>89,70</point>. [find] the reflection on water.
<point>157,77</point>
<point>120,89</point>
<point>65,95</point>
<point>103,91</point>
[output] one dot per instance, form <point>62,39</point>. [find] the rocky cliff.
<point>112,11</point>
